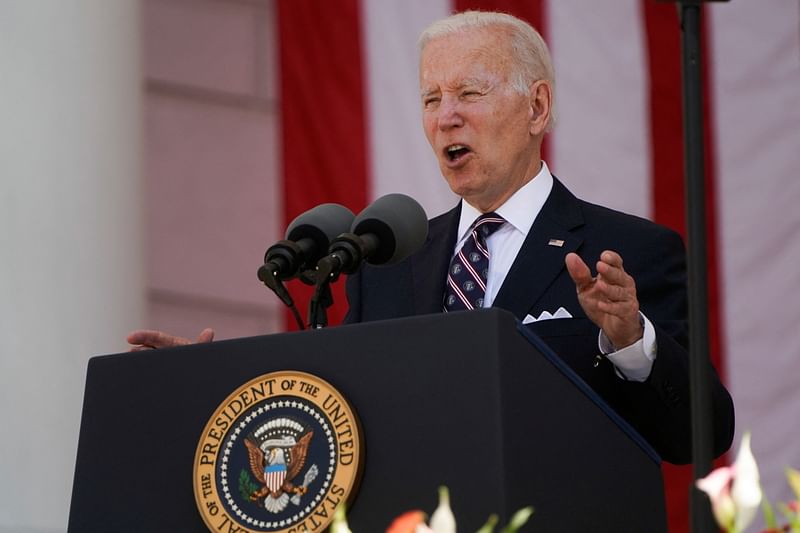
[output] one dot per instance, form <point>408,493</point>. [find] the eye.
<point>430,101</point>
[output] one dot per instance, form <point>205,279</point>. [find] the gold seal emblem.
<point>278,455</point>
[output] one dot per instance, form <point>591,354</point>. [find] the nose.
<point>449,114</point>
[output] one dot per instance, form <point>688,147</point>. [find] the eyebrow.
<point>467,82</point>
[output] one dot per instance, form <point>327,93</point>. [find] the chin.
<point>463,186</point>
<point>460,182</point>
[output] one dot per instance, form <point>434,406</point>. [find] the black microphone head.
<point>399,223</point>
<point>321,224</point>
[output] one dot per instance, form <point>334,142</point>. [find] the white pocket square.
<point>546,315</point>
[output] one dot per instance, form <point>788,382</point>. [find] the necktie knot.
<point>466,279</point>
<point>486,224</point>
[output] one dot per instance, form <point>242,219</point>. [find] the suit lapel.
<point>538,262</point>
<point>429,265</point>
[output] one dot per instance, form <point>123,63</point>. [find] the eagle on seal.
<point>275,472</point>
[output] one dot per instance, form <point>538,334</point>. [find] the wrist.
<point>623,341</point>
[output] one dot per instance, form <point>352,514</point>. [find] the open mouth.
<point>456,152</point>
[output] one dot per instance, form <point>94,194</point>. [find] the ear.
<point>541,98</point>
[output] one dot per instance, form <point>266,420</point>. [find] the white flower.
<point>717,486</point>
<point>442,519</point>
<point>735,491</point>
<point>746,489</point>
<point>339,524</point>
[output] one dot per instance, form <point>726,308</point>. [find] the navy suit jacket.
<point>538,281</point>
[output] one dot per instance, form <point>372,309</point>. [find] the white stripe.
<point>474,274</point>
<point>600,145</point>
<point>757,109</point>
<point>483,250</point>
<point>458,292</point>
<point>401,160</point>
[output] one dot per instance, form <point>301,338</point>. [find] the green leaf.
<point>246,485</point>
<point>769,515</point>
<point>488,527</point>
<point>793,476</point>
<point>518,520</point>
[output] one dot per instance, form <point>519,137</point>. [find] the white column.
<point>71,268</point>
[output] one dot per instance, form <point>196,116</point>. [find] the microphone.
<point>307,240</point>
<point>386,232</point>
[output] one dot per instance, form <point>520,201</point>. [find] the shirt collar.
<point>520,210</point>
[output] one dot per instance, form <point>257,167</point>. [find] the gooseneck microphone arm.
<point>307,240</point>
<point>269,272</point>
<point>347,253</point>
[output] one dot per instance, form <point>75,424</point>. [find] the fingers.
<point>609,300</point>
<point>616,288</point>
<point>612,280</point>
<point>143,339</point>
<point>140,336</point>
<point>612,292</point>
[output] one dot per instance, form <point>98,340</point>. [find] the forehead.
<point>469,55</point>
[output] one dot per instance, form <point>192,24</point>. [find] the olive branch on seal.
<point>246,485</point>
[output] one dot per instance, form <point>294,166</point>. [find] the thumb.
<point>207,335</point>
<point>578,270</point>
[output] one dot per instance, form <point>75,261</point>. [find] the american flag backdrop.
<point>351,132</point>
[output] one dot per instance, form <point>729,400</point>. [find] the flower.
<point>735,491</point>
<point>407,522</point>
<point>717,485</point>
<point>442,519</point>
<point>339,524</point>
<point>746,489</point>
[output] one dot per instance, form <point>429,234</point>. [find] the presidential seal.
<point>278,455</point>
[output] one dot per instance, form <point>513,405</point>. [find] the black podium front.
<point>468,400</point>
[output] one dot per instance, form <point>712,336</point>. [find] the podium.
<point>469,400</point>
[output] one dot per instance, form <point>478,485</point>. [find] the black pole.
<point>689,12</point>
<point>702,438</point>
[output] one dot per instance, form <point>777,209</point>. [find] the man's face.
<point>481,130</point>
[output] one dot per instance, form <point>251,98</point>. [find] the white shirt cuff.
<point>632,362</point>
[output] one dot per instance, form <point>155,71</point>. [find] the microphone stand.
<point>322,298</point>
<point>347,252</point>
<point>699,361</point>
<point>268,278</point>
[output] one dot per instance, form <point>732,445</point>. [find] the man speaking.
<point>606,290</point>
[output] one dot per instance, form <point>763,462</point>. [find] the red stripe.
<point>458,293</point>
<point>323,112</point>
<point>473,273</point>
<point>531,11</point>
<point>664,55</point>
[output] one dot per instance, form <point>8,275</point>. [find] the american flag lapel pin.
<point>555,242</point>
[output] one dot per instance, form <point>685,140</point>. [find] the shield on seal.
<point>274,476</point>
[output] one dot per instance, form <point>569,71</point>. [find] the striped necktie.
<point>466,278</point>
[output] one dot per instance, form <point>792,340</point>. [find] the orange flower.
<point>407,522</point>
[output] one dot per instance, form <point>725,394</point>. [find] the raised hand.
<point>609,300</point>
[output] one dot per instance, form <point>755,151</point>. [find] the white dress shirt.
<point>633,362</point>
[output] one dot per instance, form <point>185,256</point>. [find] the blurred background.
<point>151,150</point>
